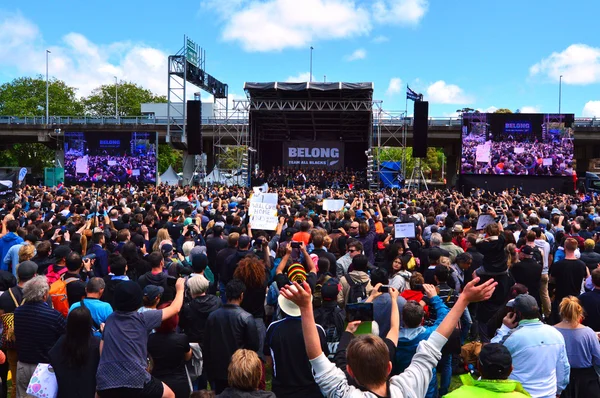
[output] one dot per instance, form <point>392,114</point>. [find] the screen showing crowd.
<point>517,144</point>
<point>110,157</point>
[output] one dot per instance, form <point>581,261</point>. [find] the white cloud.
<point>360,53</point>
<point>578,64</point>
<point>299,78</point>
<point>78,61</point>
<point>591,109</point>
<point>442,93</point>
<point>274,25</point>
<point>395,86</point>
<point>490,109</point>
<point>451,114</point>
<point>530,109</point>
<point>403,12</point>
<point>381,39</point>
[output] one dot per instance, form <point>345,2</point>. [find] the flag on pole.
<point>411,95</point>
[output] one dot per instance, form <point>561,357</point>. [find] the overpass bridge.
<point>444,132</point>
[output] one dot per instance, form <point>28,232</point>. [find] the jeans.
<point>444,368</point>
<point>465,325</point>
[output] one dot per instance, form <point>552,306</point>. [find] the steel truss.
<point>176,95</point>
<point>311,105</point>
<point>230,135</point>
<point>390,130</point>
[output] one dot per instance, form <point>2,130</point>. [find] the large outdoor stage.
<point>310,125</point>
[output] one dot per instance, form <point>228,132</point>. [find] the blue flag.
<point>411,95</point>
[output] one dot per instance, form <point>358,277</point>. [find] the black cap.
<point>495,360</point>
<point>62,251</point>
<point>26,270</point>
<point>152,292</point>
<point>527,250</point>
<point>243,241</point>
<point>523,303</point>
<point>330,289</point>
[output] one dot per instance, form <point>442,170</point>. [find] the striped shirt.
<point>37,329</point>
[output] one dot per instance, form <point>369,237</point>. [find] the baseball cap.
<point>330,289</point>
<point>528,250</point>
<point>166,248</point>
<point>359,213</point>
<point>495,360</point>
<point>523,303</point>
<point>243,241</point>
<point>556,211</point>
<point>26,270</point>
<point>152,292</point>
<point>62,251</point>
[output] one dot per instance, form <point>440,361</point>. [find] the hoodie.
<point>6,242</point>
<point>358,277</point>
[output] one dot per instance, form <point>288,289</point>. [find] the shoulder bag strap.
<point>14,299</point>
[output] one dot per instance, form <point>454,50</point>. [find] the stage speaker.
<point>420,127</point>
<point>194,127</point>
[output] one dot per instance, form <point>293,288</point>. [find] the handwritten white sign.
<point>333,204</point>
<point>404,230</point>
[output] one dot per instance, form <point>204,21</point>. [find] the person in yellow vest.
<point>495,366</point>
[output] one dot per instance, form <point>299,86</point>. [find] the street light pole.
<point>560,94</point>
<point>47,85</point>
<point>116,98</point>
<point>311,51</point>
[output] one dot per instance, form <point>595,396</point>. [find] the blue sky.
<point>467,53</point>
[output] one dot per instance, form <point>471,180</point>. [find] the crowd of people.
<point>512,157</point>
<point>171,292</point>
<point>321,178</point>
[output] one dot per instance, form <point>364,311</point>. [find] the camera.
<point>295,245</point>
<point>384,289</point>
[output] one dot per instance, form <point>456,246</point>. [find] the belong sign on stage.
<point>314,154</point>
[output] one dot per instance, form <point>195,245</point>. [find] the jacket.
<point>413,382</point>
<point>539,357</point>
<point>6,242</point>
<point>227,329</point>
<point>194,315</point>
<point>488,389</point>
<point>101,264</point>
<point>342,265</point>
<point>410,339</point>
<point>358,277</point>
<point>368,241</point>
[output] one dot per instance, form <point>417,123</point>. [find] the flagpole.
<point>404,134</point>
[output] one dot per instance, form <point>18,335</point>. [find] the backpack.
<point>58,293</point>
<point>317,298</point>
<point>52,275</point>
<point>332,321</point>
<point>357,292</point>
<point>8,326</point>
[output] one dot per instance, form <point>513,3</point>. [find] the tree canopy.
<point>26,96</point>
<point>130,98</point>
<point>503,110</point>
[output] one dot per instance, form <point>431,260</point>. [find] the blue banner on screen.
<point>518,144</point>
<point>110,158</point>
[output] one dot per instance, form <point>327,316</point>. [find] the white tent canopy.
<point>169,177</point>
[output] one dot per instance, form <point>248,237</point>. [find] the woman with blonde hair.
<point>26,252</point>
<point>583,350</point>
<point>161,235</point>
<point>511,253</point>
<point>244,375</point>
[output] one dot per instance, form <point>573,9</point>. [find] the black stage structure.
<point>316,119</point>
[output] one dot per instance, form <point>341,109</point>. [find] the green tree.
<point>169,156</point>
<point>35,155</point>
<point>130,98</point>
<point>503,110</point>
<point>26,96</point>
<point>231,157</point>
<point>431,165</point>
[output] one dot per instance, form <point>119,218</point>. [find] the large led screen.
<point>110,158</point>
<point>520,144</point>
